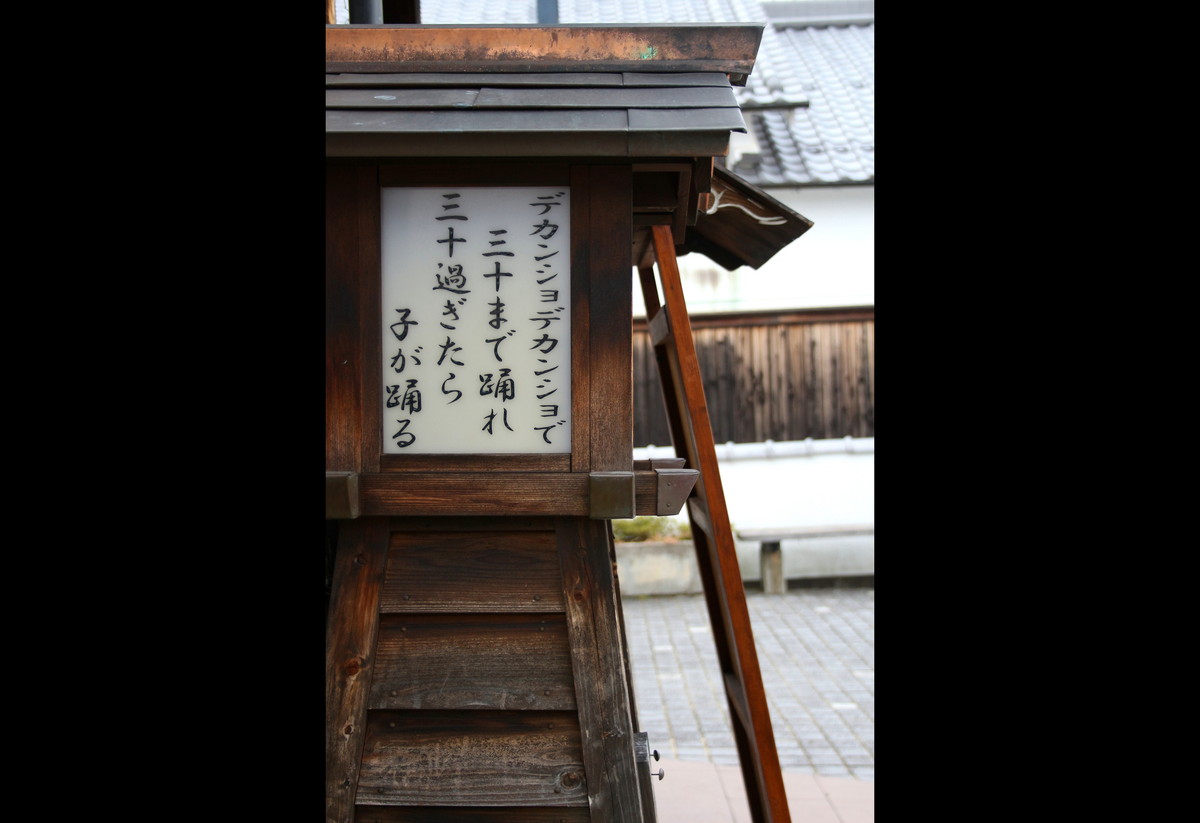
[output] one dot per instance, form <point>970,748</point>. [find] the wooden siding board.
<point>472,571</point>
<point>777,390</point>
<point>474,661</point>
<point>869,370</point>
<point>799,365</point>
<point>444,758</point>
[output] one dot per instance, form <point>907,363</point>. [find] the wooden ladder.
<point>716,554</point>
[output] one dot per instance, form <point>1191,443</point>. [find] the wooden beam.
<point>585,551</point>
<point>655,491</point>
<point>609,302</point>
<point>349,642</point>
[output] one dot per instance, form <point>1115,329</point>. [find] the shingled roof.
<point>586,91</point>
<point>810,101</point>
<point>661,95</point>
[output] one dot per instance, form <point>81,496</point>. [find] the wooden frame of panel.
<point>601,317</point>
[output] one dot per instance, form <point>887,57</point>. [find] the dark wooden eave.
<point>742,224</point>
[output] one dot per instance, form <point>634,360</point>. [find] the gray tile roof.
<point>810,101</point>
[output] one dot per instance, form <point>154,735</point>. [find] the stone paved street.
<point>816,651</point>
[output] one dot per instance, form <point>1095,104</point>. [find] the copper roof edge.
<point>729,48</point>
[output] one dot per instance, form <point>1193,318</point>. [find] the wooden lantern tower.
<point>488,191</point>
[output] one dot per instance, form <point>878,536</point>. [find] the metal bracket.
<point>341,496</point>
<point>610,495</point>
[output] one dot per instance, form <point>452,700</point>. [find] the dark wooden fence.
<point>770,376</point>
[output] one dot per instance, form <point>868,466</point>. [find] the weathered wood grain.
<point>359,570</point>
<point>454,758</point>
<point>610,297</point>
<point>506,661</point>
<point>472,572</point>
<point>601,679</point>
<point>475,494</point>
<point>351,257</point>
<point>432,814</point>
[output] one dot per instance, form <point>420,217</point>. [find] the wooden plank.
<point>869,369</point>
<point>610,296</point>
<point>474,661</point>
<point>828,362</point>
<point>837,387</point>
<point>551,463</point>
<point>849,409</point>
<point>587,558</point>
<point>795,382</point>
<point>778,398</point>
<point>349,645</point>
<point>811,396</point>
<point>484,493</point>
<point>472,571</point>
<point>432,814</point>
<point>479,493</point>
<point>755,340</point>
<point>484,758</point>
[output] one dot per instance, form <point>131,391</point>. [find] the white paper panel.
<point>476,320</point>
